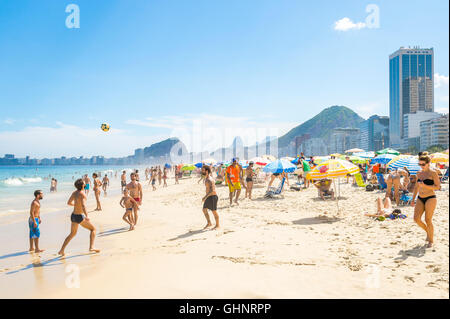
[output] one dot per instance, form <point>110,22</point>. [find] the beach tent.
<point>410,162</point>
<point>382,159</point>
<point>279,166</point>
<point>388,151</point>
<point>439,158</point>
<point>354,150</point>
<point>365,154</point>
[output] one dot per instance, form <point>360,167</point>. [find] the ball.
<point>105,127</point>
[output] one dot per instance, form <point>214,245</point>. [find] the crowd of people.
<point>422,186</point>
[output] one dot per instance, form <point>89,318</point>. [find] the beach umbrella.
<point>388,151</point>
<point>410,162</point>
<point>188,168</point>
<point>333,168</point>
<point>321,159</point>
<point>382,159</point>
<point>270,158</point>
<point>439,158</point>
<point>335,154</point>
<point>279,166</point>
<point>365,154</point>
<point>446,151</point>
<point>199,165</point>
<point>167,165</point>
<point>354,150</point>
<point>260,161</point>
<point>354,159</point>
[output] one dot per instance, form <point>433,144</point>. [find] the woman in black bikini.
<point>249,180</point>
<point>427,183</point>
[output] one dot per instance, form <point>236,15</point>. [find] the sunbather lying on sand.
<point>385,209</point>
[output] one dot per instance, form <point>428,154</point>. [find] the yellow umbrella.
<point>446,151</point>
<point>335,154</point>
<point>333,168</point>
<point>439,158</point>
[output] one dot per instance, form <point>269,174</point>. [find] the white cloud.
<point>442,110</point>
<point>9,121</point>
<point>71,140</point>
<point>440,80</point>
<point>346,24</point>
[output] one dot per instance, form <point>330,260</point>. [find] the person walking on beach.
<point>78,201</point>
<point>105,183</point>
<point>53,185</point>
<point>233,179</point>
<point>97,185</point>
<point>427,182</point>
<point>135,189</point>
<point>123,180</point>
<point>159,175</point>
<point>34,221</point>
<point>210,199</point>
<point>177,171</point>
<point>249,180</point>
<point>165,177</point>
<point>128,203</point>
<point>153,179</point>
<point>87,182</point>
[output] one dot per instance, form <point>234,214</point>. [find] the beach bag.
<point>370,188</point>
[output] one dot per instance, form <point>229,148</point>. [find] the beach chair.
<point>405,199</point>
<point>359,180</point>
<point>381,181</point>
<point>445,177</point>
<point>275,191</point>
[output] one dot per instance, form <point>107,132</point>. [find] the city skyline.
<point>157,73</point>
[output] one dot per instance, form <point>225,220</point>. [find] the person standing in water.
<point>34,221</point>
<point>97,185</point>
<point>210,199</point>
<point>78,201</point>
<point>135,189</point>
<point>105,183</point>
<point>427,182</point>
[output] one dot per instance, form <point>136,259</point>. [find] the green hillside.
<point>323,123</point>
<point>160,149</point>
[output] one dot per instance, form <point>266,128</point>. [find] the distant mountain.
<point>160,149</point>
<point>323,123</point>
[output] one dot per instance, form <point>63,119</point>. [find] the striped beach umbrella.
<point>439,158</point>
<point>279,166</point>
<point>410,162</point>
<point>333,168</point>
<point>383,159</point>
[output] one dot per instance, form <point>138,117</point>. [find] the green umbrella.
<point>355,159</point>
<point>188,168</point>
<point>388,151</point>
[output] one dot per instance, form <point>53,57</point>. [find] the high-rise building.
<point>411,128</point>
<point>410,87</point>
<point>374,134</point>
<point>434,132</point>
<point>343,139</point>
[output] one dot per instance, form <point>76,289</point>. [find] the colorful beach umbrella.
<point>388,151</point>
<point>446,151</point>
<point>167,165</point>
<point>199,165</point>
<point>188,168</point>
<point>321,159</point>
<point>354,150</point>
<point>439,158</point>
<point>270,158</point>
<point>410,162</point>
<point>333,168</point>
<point>260,161</point>
<point>279,166</point>
<point>354,159</point>
<point>382,159</point>
<point>365,154</point>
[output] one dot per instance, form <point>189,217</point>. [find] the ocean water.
<point>18,183</point>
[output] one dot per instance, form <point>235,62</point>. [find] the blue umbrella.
<point>279,166</point>
<point>383,159</point>
<point>199,165</point>
<point>167,165</point>
<point>411,163</point>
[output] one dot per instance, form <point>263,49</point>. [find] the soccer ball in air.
<point>105,127</point>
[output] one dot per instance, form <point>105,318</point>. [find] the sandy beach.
<point>295,246</point>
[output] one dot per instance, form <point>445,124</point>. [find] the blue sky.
<point>151,67</point>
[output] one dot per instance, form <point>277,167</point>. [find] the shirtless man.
<point>78,201</point>
<point>135,189</point>
<point>210,199</point>
<point>128,203</point>
<point>97,184</point>
<point>87,182</point>
<point>105,183</point>
<point>123,180</point>
<point>34,221</point>
<point>324,188</point>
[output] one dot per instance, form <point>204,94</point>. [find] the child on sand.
<point>128,203</point>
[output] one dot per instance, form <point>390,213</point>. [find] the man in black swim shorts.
<point>210,199</point>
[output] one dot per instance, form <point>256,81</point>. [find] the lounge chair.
<point>381,181</point>
<point>405,199</point>
<point>359,180</point>
<point>275,191</point>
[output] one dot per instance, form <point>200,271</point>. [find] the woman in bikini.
<point>165,177</point>
<point>393,180</point>
<point>249,180</point>
<point>427,182</point>
<point>97,185</point>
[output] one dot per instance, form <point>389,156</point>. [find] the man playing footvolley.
<point>233,179</point>
<point>78,201</point>
<point>135,189</point>
<point>210,199</point>
<point>34,221</point>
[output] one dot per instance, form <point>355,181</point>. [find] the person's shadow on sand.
<point>418,251</point>
<point>20,253</point>
<point>113,231</point>
<point>315,221</point>
<point>189,234</point>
